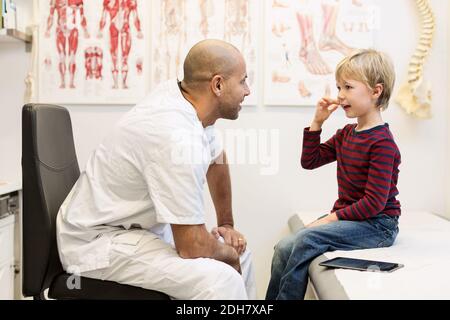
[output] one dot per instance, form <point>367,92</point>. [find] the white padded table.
<point>423,246</point>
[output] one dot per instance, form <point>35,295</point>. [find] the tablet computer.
<point>361,264</point>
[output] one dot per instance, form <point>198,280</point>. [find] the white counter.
<point>8,187</point>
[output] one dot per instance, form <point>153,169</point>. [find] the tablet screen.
<point>360,264</point>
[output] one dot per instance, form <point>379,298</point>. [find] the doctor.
<point>136,215</point>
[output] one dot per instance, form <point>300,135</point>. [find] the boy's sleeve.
<point>381,166</point>
<point>315,154</point>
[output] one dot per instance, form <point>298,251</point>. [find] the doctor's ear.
<point>217,85</point>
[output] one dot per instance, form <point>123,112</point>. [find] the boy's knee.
<point>284,245</point>
<point>307,238</point>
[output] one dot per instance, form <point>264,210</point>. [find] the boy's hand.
<point>332,217</point>
<point>325,107</point>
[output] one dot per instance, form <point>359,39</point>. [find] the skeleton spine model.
<point>415,95</point>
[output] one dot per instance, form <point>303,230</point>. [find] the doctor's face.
<point>235,91</point>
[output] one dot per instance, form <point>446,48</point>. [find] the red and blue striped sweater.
<point>367,169</point>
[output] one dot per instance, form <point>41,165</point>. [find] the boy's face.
<point>356,98</point>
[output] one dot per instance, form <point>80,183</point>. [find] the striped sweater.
<point>367,169</point>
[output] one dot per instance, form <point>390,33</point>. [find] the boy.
<point>366,214</point>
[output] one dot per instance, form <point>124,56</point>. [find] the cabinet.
<point>10,241</point>
<point>7,259</point>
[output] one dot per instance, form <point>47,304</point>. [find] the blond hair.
<point>370,67</point>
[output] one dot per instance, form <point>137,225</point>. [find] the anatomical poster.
<point>178,24</point>
<point>93,51</point>
<point>305,40</point>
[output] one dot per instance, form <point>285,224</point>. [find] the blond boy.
<point>367,211</point>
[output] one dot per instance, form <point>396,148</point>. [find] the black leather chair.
<point>49,171</point>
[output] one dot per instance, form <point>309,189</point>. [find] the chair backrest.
<point>49,171</point>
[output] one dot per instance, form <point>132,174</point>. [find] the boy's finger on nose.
<point>333,107</point>
<point>332,101</point>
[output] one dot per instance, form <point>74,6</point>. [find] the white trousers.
<point>139,258</point>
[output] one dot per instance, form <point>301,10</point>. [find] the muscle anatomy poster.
<point>178,24</point>
<point>305,40</point>
<point>93,51</point>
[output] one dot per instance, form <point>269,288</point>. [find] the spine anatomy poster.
<point>93,51</point>
<point>178,24</point>
<point>305,40</point>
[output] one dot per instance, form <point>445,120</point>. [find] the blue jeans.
<point>294,253</point>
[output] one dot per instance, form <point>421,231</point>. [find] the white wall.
<point>262,204</point>
<point>14,63</point>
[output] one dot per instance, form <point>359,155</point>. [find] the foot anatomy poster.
<point>116,51</point>
<point>178,24</point>
<point>305,40</point>
<point>93,51</point>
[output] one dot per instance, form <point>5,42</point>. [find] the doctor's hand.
<point>231,237</point>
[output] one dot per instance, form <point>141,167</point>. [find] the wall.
<point>262,204</point>
<point>14,63</point>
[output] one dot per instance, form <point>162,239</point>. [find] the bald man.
<point>136,215</point>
